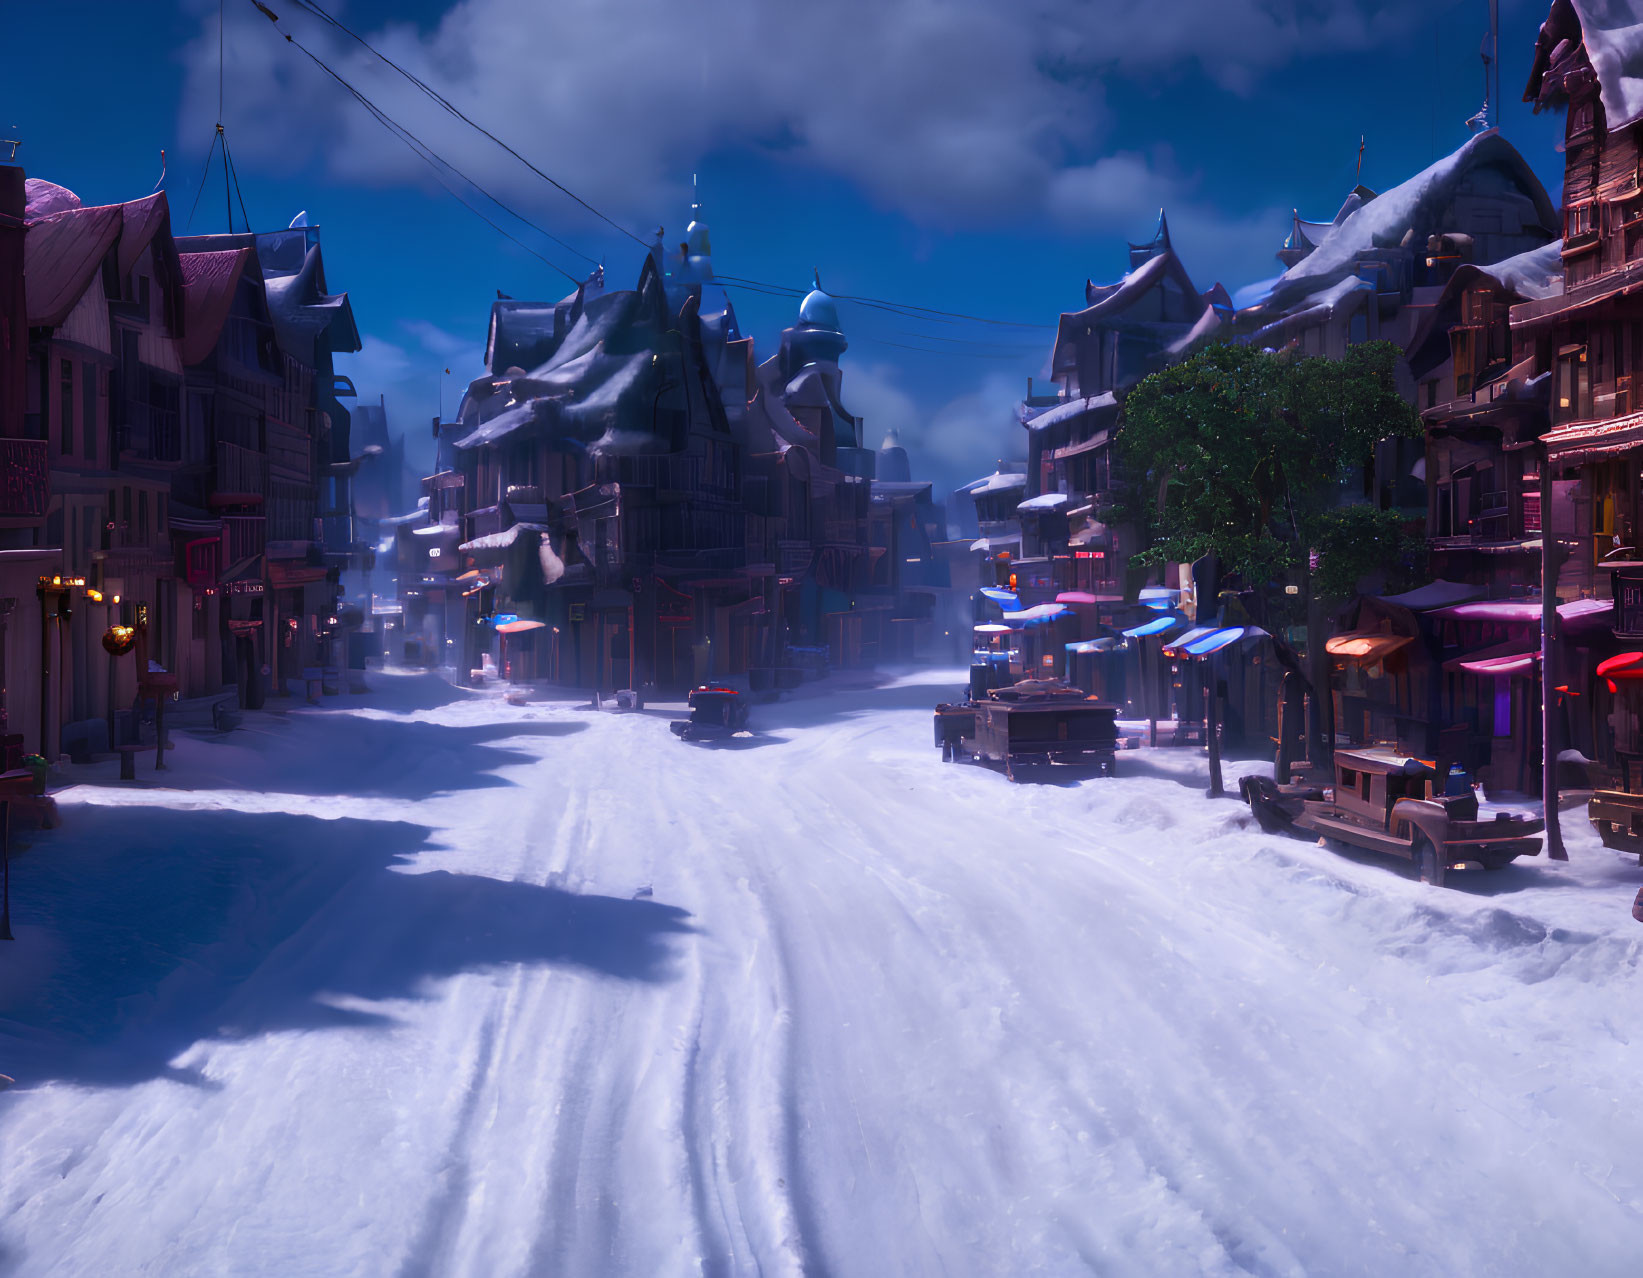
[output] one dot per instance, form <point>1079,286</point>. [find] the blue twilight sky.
<point>982,156</point>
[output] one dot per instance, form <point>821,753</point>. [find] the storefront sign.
<point>244,587</point>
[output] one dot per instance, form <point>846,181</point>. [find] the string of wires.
<point>439,165</point>
<point>907,310</point>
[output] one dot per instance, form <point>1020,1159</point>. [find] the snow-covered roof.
<point>1111,299</point>
<point>1208,323</point>
<point>501,540</point>
<point>415,517</point>
<point>1318,307</point>
<point>603,362</point>
<point>1072,408</point>
<point>1533,275</point>
<point>1613,32</point>
<point>998,481</point>
<point>1384,222</point>
<point>1045,501</point>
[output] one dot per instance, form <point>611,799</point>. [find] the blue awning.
<point>1214,641</point>
<point>1037,614</point>
<point>1104,644</point>
<point>1157,626</point>
<point>1008,599</point>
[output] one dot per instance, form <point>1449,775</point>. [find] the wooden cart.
<point>1038,729</point>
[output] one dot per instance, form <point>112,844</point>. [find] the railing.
<point>666,472</point>
<point>242,537</point>
<point>240,470</point>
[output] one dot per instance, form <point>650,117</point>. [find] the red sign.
<point>25,478</point>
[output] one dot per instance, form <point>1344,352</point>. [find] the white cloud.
<point>438,341</point>
<point>948,441</point>
<point>950,110</point>
<point>871,393</point>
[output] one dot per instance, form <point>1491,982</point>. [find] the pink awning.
<point>1504,660</point>
<point>1076,597</point>
<point>1520,611</point>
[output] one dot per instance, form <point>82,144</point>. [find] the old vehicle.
<point>715,713</point>
<point>1038,728</point>
<point>1617,816</point>
<point>1383,801</point>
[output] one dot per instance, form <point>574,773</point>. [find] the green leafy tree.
<point>1246,453</point>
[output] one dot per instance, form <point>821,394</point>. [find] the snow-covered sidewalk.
<point>425,983</point>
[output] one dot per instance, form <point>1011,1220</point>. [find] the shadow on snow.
<point>151,928</point>
<point>347,754</point>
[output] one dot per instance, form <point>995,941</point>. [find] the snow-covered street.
<point>422,983</point>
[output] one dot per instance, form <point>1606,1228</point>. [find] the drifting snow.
<point>423,983</point>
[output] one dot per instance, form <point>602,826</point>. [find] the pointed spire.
<point>1140,254</point>
<point>815,272</point>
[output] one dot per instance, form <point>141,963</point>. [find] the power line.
<point>204,173</point>
<point>911,310</point>
<point>437,97</point>
<point>435,161</point>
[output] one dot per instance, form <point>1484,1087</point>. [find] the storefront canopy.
<point>1506,612</point>
<point>993,628</point>
<point>518,627</point>
<point>1105,644</point>
<point>1157,626</point>
<point>1004,598</point>
<point>1038,613</point>
<point>1627,666</point>
<point>1504,660</point>
<point>1369,647</point>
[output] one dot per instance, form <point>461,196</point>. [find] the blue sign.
<point>504,618</point>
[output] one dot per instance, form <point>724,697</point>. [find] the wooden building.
<point>1589,339</point>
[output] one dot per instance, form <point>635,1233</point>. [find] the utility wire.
<point>228,159</point>
<point>200,189</point>
<point>912,311</point>
<point>444,102</point>
<point>435,162</point>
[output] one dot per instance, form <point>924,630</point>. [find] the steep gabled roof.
<point>1110,300</point>
<point>303,312</point>
<point>209,281</point>
<point>61,253</point>
<point>1527,277</point>
<point>1386,220</point>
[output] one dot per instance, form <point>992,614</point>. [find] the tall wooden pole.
<point>1212,726</point>
<point>1550,558</point>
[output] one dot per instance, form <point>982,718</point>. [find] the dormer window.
<point>1581,117</point>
